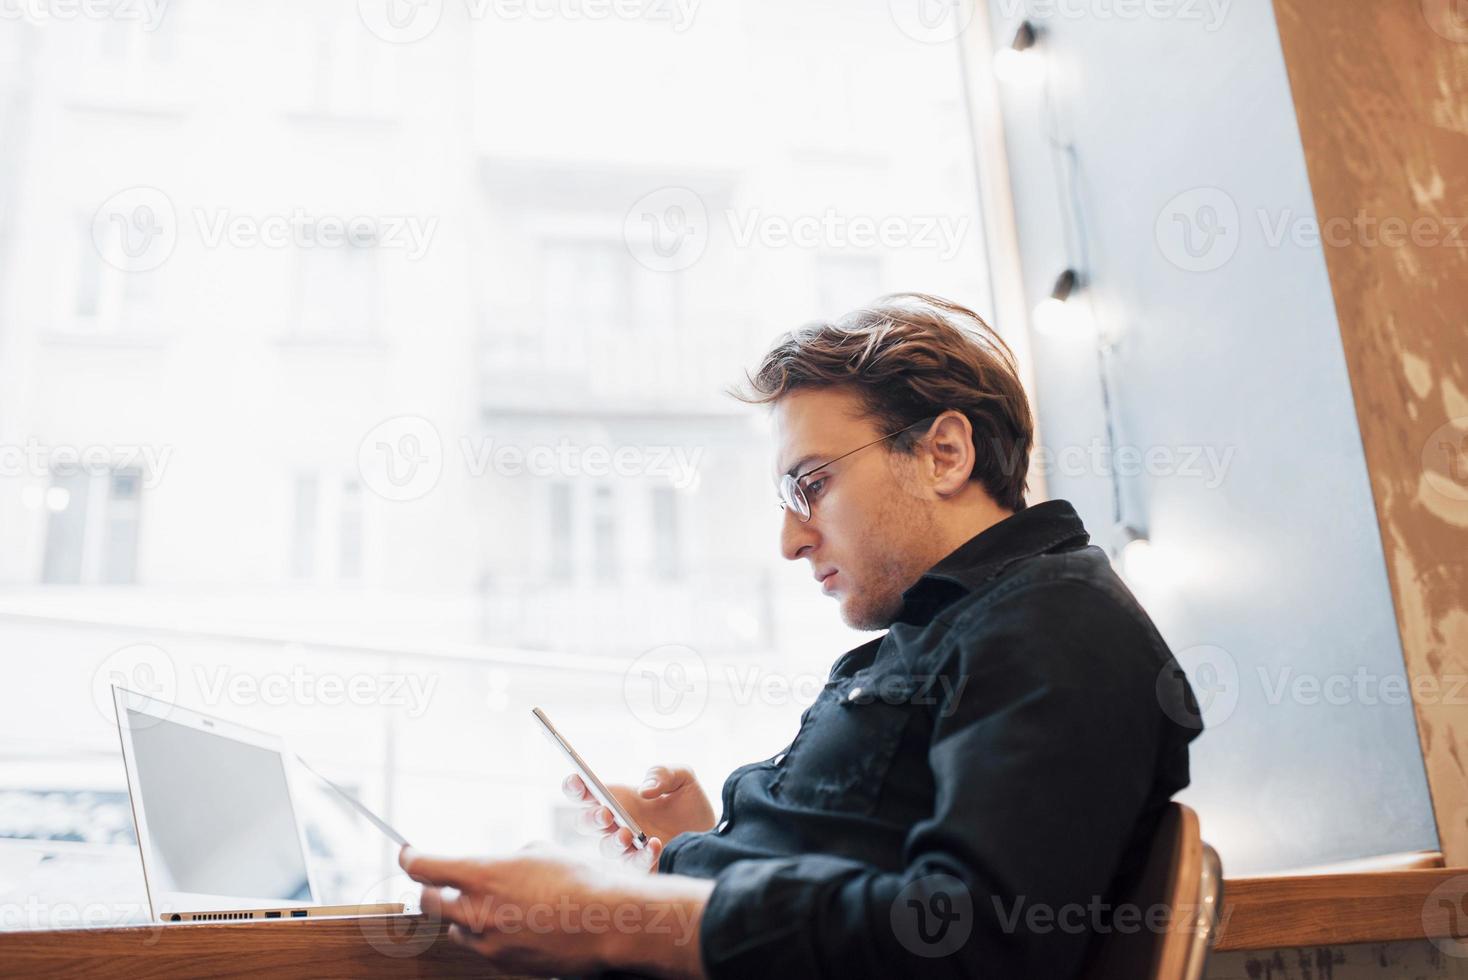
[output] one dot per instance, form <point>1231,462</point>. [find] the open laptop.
<point>216,818</point>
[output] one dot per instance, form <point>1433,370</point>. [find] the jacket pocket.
<point>840,758</point>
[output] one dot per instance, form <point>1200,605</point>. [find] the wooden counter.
<point>377,946</point>
<point>1258,913</point>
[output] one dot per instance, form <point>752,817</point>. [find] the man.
<point>1003,750</point>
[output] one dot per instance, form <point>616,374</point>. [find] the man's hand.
<point>669,802</point>
<point>543,913</point>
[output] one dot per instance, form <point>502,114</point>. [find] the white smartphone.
<point>597,787</point>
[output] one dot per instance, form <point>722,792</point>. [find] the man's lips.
<point>825,578</point>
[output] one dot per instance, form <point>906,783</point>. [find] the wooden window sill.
<point>1258,913</point>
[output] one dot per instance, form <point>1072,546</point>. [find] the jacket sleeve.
<point>1043,760</point>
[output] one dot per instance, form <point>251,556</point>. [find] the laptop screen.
<point>218,814</point>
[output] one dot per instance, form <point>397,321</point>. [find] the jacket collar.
<point>1024,534</point>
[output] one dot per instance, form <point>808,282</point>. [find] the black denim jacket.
<point>969,791</point>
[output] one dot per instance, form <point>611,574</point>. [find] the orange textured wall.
<point>1381,93</point>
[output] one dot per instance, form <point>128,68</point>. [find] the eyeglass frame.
<point>792,491</point>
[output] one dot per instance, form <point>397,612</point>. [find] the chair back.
<point>1172,909</point>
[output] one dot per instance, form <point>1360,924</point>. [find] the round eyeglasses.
<point>792,486</point>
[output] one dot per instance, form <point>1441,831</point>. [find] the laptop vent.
<point>221,916</point>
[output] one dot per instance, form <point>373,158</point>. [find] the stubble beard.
<point>899,560</point>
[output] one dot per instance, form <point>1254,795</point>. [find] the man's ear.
<point>950,447</point>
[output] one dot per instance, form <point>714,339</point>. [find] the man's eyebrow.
<point>801,462</point>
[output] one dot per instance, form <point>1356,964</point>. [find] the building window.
<point>307,501</point>
<point>124,511</point>
<point>666,550</point>
<point>349,71</point>
<point>338,292</point>
<point>327,539</point>
<point>596,300</point>
<point>107,298</point>
<point>349,525</point>
<point>586,295</point>
<point>604,535</point>
<point>92,531</point>
<point>562,532</point>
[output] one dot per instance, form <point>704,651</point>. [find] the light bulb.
<point>1139,563</point>
<point>1017,67</point>
<point>1057,314</point>
<point>1058,317</point>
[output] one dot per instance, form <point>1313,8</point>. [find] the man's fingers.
<point>611,848</point>
<point>647,858</point>
<point>665,779</point>
<point>619,847</point>
<point>575,788</point>
<point>473,912</point>
<point>431,902</point>
<point>484,945</point>
<point>429,869</point>
<point>441,903</point>
<point>595,820</point>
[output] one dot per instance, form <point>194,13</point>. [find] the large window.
<point>436,430</point>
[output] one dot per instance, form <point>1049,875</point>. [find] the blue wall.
<point>1269,560</point>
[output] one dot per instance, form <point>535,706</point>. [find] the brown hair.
<point>910,357</point>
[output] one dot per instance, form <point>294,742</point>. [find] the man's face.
<point>870,534</point>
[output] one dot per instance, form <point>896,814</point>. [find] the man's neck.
<point>958,525</point>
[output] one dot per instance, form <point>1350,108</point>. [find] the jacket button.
<point>854,694</point>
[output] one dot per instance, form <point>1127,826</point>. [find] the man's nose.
<point>796,538</point>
